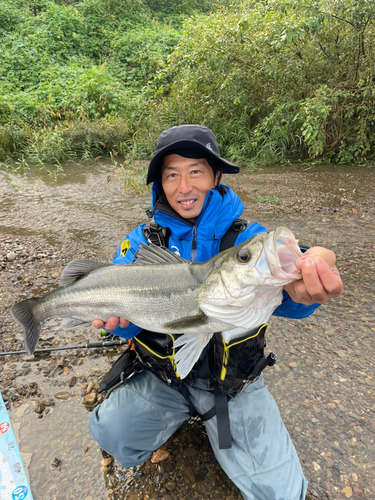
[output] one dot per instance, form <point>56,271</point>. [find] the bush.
<point>290,80</point>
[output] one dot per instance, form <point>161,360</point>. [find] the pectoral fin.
<point>68,323</point>
<point>186,323</point>
<point>191,347</point>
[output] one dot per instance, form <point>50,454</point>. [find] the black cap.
<point>195,137</point>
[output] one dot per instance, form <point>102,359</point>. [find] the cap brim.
<point>154,166</point>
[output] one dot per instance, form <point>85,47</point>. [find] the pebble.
<point>348,492</point>
<point>159,456</point>
<point>11,256</point>
<point>47,402</point>
<point>106,461</point>
<point>64,395</point>
<point>90,387</point>
<point>90,399</point>
<point>189,473</point>
<point>55,463</point>
<point>171,485</point>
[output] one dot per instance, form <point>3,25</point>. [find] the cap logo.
<point>208,146</point>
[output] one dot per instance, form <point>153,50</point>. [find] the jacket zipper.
<point>195,231</point>
<point>194,241</point>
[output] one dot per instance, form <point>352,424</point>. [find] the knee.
<point>114,440</point>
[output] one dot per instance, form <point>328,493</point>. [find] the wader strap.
<point>222,416</point>
<point>220,410</point>
<point>221,404</point>
<point>229,238</point>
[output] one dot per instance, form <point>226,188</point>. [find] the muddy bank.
<point>323,380</point>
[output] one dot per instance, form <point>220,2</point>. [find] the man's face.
<point>186,182</point>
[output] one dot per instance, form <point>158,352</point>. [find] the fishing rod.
<point>85,346</point>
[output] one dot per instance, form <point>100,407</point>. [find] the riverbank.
<point>323,380</point>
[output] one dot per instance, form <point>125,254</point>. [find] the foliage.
<point>276,80</point>
<point>76,77</point>
<point>140,54</point>
<point>280,79</point>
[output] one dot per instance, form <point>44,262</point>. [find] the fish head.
<point>260,264</point>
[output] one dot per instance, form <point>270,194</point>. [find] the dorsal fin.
<point>152,254</point>
<point>76,269</point>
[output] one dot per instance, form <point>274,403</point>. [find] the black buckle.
<point>135,367</point>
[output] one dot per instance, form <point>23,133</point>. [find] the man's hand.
<point>111,323</point>
<point>320,281</point>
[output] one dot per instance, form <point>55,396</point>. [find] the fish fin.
<point>192,346</point>
<point>76,269</point>
<point>152,254</point>
<point>186,322</point>
<point>68,323</point>
<point>23,313</point>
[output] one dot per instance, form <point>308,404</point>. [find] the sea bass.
<point>236,290</point>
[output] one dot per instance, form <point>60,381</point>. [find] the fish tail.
<point>192,346</point>
<point>23,313</point>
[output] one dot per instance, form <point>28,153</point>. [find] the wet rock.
<point>90,399</point>
<point>169,466</point>
<point>90,387</point>
<point>72,382</point>
<point>56,462</point>
<point>39,409</point>
<point>64,395</point>
<point>189,473</point>
<point>171,485</point>
<point>106,461</point>
<point>47,402</point>
<point>201,474</point>
<point>190,452</point>
<point>160,456</point>
<point>357,491</point>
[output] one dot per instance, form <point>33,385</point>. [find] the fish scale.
<point>237,289</point>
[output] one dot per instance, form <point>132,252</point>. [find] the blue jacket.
<point>201,241</point>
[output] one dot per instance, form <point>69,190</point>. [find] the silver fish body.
<point>161,292</point>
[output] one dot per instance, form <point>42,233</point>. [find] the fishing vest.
<point>226,368</point>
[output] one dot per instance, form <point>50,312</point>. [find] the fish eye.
<point>243,256</point>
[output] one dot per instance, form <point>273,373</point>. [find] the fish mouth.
<point>282,251</point>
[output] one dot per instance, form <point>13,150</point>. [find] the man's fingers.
<point>329,278</point>
<point>311,280</point>
<point>97,323</point>
<point>111,323</point>
<point>124,323</point>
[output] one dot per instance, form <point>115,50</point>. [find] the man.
<point>189,202</point>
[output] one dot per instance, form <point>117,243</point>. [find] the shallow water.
<point>327,206</point>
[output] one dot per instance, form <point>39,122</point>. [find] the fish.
<point>234,291</point>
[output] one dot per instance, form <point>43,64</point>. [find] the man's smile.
<point>187,203</point>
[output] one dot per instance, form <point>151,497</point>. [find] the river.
<point>323,381</point>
